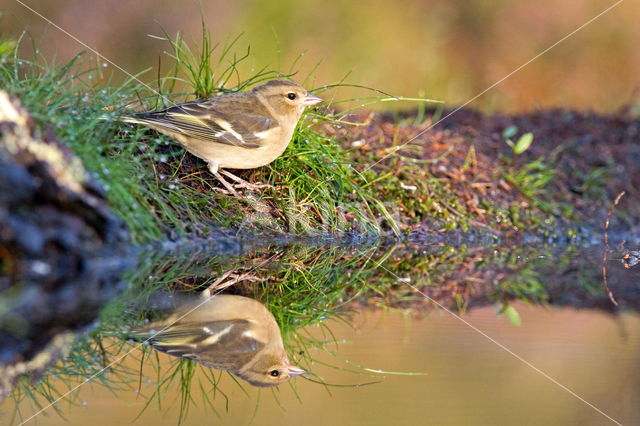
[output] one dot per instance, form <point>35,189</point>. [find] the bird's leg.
<point>230,189</point>
<point>228,279</point>
<point>213,168</point>
<point>241,183</point>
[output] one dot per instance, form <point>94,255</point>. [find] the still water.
<point>504,336</point>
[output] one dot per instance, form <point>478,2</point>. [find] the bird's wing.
<point>214,343</point>
<point>227,121</point>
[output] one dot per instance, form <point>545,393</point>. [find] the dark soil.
<point>576,144</point>
<point>594,157</point>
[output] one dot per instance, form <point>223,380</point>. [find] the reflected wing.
<point>219,344</point>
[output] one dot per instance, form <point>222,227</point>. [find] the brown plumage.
<point>225,332</point>
<point>242,130</point>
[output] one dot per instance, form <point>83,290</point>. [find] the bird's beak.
<point>295,371</point>
<point>311,100</point>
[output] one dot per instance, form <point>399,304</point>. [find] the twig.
<point>606,247</point>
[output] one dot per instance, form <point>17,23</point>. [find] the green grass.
<point>322,185</point>
<point>162,191</point>
<point>71,101</point>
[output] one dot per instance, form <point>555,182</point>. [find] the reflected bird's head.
<point>270,369</point>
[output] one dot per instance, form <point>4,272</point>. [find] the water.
<point>505,335</point>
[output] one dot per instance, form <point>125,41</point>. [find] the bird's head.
<point>288,99</point>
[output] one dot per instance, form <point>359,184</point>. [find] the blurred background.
<point>444,49</point>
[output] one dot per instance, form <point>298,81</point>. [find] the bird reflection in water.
<point>225,332</point>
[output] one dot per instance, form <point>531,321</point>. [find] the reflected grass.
<point>307,287</point>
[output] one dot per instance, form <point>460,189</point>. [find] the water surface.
<point>356,319</point>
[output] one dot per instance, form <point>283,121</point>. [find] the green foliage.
<point>531,179</point>
<point>510,132</point>
<point>7,47</point>
<point>197,67</point>
<point>143,172</point>
<point>511,314</point>
<point>158,189</point>
<point>522,144</point>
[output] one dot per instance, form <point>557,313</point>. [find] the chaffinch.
<point>226,332</point>
<point>242,130</point>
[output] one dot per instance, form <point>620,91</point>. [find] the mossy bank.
<point>546,172</point>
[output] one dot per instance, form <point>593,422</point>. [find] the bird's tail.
<point>123,118</point>
<point>130,119</point>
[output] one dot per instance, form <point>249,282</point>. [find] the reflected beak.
<point>295,371</point>
<point>311,100</point>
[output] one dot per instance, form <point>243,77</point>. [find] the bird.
<point>238,130</point>
<point>225,332</point>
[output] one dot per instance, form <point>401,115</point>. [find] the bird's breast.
<point>235,157</point>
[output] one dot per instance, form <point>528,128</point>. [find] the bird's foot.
<point>225,191</point>
<point>241,183</point>
<point>230,190</point>
<point>228,279</point>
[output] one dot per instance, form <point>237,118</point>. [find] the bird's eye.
<point>291,95</point>
<point>274,373</point>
